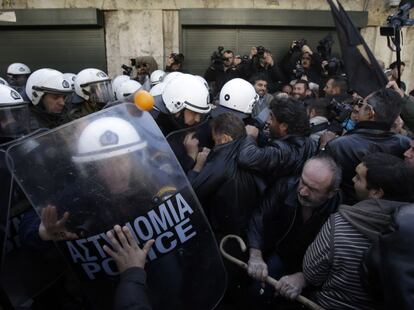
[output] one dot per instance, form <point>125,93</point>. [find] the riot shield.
<point>115,167</point>
<point>176,138</point>
<point>24,274</point>
<point>260,114</point>
<point>5,182</point>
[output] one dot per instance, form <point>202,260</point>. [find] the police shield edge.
<point>5,182</point>
<point>115,167</point>
<point>24,274</point>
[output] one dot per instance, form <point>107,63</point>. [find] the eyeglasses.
<point>362,104</point>
<point>226,58</point>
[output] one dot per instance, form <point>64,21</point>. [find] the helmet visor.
<point>14,120</point>
<point>101,92</point>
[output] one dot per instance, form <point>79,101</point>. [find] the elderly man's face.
<point>315,184</point>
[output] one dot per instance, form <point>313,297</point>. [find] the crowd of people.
<point>316,179</point>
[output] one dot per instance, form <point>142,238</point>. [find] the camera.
<point>298,72</point>
<point>126,70</point>
<point>340,110</point>
<point>260,51</point>
<point>217,57</point>
<point>297,45</point>
<point>325,47</point>
<point>334,67</point>
<point>177,57</point>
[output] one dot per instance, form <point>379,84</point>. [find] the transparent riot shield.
<point>5,183</point>
<point>25,274</point>
<point>260,114</point>
<point>115,167</point>
<point>202,132</point>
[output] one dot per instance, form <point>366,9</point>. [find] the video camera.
<point>217,57</point>
<point>334,67</point>
<point>400,19</point>
<point>340,110</point>
<point>325,47</point>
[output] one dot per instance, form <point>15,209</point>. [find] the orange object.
<point>144,100</point>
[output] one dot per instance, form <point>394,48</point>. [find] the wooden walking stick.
<point>269,280</point>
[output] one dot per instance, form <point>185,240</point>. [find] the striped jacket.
<point>332,262</point>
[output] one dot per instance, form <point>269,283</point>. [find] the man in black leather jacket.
<point>371,134</point>
<point>290,216</point>
<point>289,146</point>
<point>228,194</point>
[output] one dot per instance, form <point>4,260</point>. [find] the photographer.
<point>300,56</point>
<point>174,62</point>
<point>144,66</point>
<point>221,70</point>
<point>262,62</point>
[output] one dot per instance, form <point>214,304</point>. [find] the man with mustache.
<point>289,218</point>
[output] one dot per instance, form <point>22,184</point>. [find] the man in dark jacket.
<point>262,63</point>
<point>332,262</point>
<point>289,146</point>
<point>221,71</point>
<point>290,216</point>
<point>371,134</point>
<point>228,194</point>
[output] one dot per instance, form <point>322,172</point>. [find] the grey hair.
<point>333,166</point>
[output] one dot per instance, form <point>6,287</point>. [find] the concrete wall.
<point>151,27</point>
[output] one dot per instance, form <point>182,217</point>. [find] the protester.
<point>289,217</point>
<point>372,133</point>
<point>289,145</point>
<point>332,262</point>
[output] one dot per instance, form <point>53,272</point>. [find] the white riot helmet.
<point>14,113</point>
<point>3,82</point>
<point>157,89</point>
<point>126,89</point>
<point>156,77</point>
<point>94,85</point>
<point>18,68</point>
<point>117,81</point>
<point>171,76</point>
<point>70,77</point>
<point>239,95</point>
<point>107,137</point>
<point>17,74</point>
<point>203,80</point>
<point>46,81</point>
<point>186,92</point>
